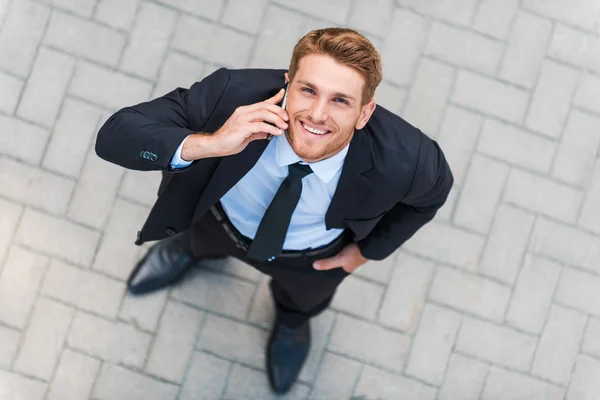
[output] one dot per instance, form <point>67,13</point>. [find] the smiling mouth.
<point>313,130</point>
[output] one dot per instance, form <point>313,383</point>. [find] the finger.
<point>267,116</point>
<point>263,105</point>
<point>327,263</point>
<point>258,136</point>
<point>263,127</point>
<point>277,98</point>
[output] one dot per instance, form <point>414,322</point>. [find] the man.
<point>341,182</point>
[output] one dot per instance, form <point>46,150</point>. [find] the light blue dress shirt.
<point>246,202</point>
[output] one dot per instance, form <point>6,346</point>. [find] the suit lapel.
<point>229,171</point>
<point>353,186</point>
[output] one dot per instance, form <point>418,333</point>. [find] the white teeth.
<point>313,130</point>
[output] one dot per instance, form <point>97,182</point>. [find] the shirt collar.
<point>325,169</point>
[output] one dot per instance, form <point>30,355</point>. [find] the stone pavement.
<point>498,298</point>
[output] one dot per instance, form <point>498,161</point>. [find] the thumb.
<point>327,263</point>
<point>277,98</point>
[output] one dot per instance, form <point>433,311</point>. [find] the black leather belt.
<point>244,242</point>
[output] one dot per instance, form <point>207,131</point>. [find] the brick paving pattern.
<point>497,298</point>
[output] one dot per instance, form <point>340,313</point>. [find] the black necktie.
<point>273,227</point>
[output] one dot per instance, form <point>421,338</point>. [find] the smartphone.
<point>283,105</point>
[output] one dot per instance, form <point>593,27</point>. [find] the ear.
<point>287,77</point>
<point>365,114</point>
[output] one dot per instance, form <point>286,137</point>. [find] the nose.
<point>318,111</point>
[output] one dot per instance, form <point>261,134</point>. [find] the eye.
<point>308,90</point>
<point>341,100</point>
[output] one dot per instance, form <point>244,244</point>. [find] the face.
<point>324,106</point>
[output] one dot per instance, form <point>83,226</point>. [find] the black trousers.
<point>298,290</point>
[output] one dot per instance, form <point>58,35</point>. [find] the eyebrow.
<point>336,94</point>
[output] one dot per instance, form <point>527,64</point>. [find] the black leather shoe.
<point>286,352</point>
<point>164,263</point>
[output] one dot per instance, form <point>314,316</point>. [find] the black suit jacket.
<point>393,181</point>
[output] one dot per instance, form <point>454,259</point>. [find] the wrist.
<point>199,146</point>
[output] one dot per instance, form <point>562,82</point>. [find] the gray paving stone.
<point>148,41</point>
<point>247,383</point>
<point>262,311</point>
<point>502,384</point>
<point>233,340</point>
<point>178,70</point>
<point>9,343</point>
<point>526,50</point>
<point>464,48</point>
<point>576,154</point>
<point>215,292</point>
<point>71,138</point>
<point>579,290</point>
<point>212,42</point>
<point>15,386</point>
<point>532,295</point>
<point>90,206</point>
<point>117,253</point>
<point>582,250</point>
<point>532,193</point>
<point>22,140</point>
<point>57,237</point>
<point>21,34</point>
<point>359,297</point>
<point>591,342</point>
<point>445,213</point>
<point>336,378</point>
<point>206,377</point>
<point>593,58</point>
<point>83,289</point>
<point>459,12</point>
<point>106,87</point>
<point>334,11</point>
<point>379,271</point>
<point>481,193</point>
<point>587,95</point>
<point>497,344</point>
<point>374,383</point>
<point>84,38</point>
<point>403,45</point>
<point>494,17</point>
<point>357,338</point>
<point>458,137</point>
<point>470,293</point>
<point>559,345</point>
<point>80,7</point>
<point>427,99</point>
<point>372,17</point>
<point>143,312</point>
<point>445,243</point>
<point>506,245</point>
<point>114,342</point>
<point>570,45</point>
<point>44,338</point>
<point>174,342</point>
<point>516,146</point>
<point>245,15</point>
<point>75,376</point>
<point>115,382</point>
<point>464,379</point>
<point>588,217</point>
<point>35,187</point>
<point>579,12</point>
<point>391,97</point>
<point>117,13</point>
<point>406,292</point>
<point>551,99</point>
<point>279,33</point>
<point>204,8</point>
<point>11,91</point>
<point>585,384</point>
<point>432,344</point>
<point>140,186</point>
<point>490,96</point>
<point>19,283</point>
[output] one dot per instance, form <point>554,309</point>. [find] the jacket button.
<point>170,232</point>
<point>152,157</point>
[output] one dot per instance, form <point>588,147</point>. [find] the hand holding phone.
<point>283,105</point>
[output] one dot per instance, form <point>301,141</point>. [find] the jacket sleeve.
<point>430,187</point>
<point>145,136</point>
